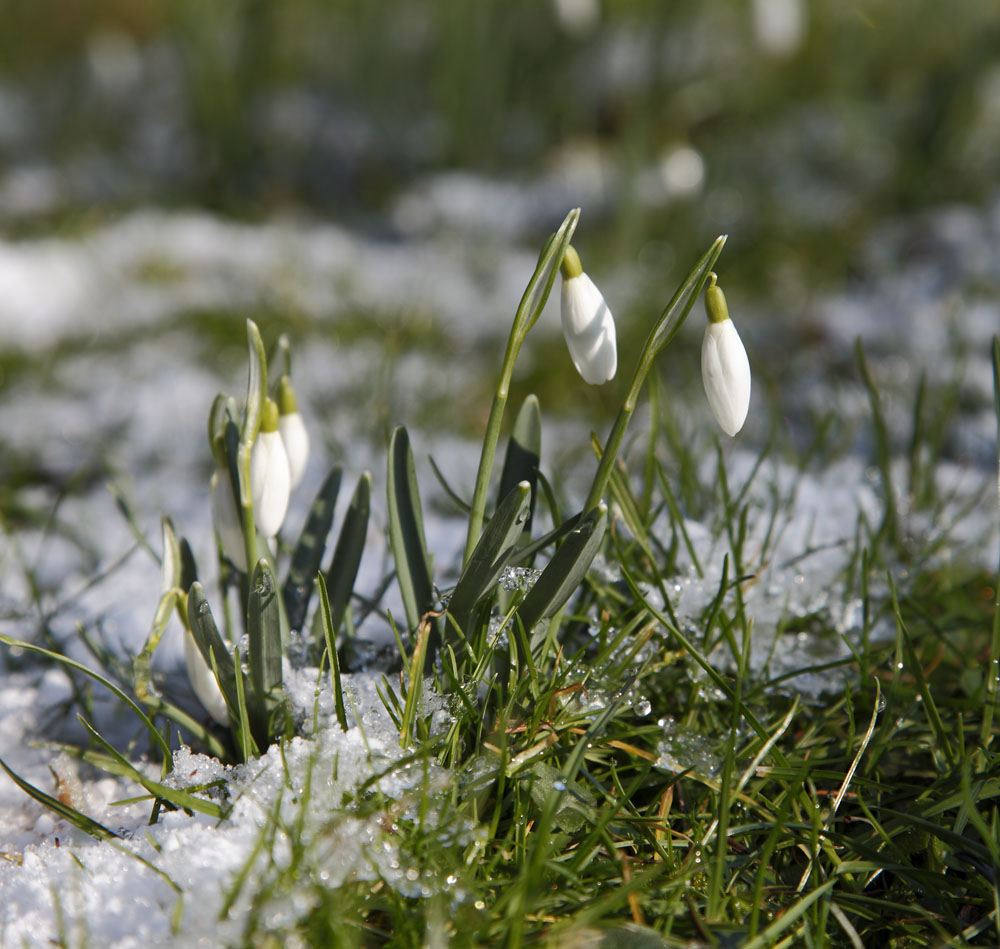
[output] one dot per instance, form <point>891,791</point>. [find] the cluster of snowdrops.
<point>261,449</point>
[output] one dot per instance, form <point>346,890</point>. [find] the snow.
<point>171,883</point>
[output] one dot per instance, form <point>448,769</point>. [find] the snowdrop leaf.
<point>223,411</point>
<point>264,635</point>
<point>491,554</point>
<point>564,573</point>
<point>343,570</point>
<point>309,550</point>
<point>189,568</point>
<point>406,531</point>
<point>524,451</point>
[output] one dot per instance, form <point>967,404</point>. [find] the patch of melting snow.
<point>151,265</point>
<point>126,892</point>
<point>798,553</point>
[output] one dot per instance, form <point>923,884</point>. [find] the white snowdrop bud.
<point>587,323</point>
<point>270,483</point>
<point>226,519</point>
<point>725,369</point>
<point>203,681</point>
<point>293,432</point>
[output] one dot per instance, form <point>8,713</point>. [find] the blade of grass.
<point>68,813</point>
<point>157,738</point>
<point>176,796</point>
<point>331,648</point>
<point>993,666</point>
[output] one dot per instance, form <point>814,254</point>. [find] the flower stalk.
<point>665,329</point>
<point>528,311</point>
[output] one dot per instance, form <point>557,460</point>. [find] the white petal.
<point>296,441</point>
<point>725,371</point>
<point>589,329</point>
<point>203,681</point>
<point>226,520</point>
<point>270,482</point>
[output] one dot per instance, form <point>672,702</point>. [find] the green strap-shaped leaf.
<point>524,451</point>
<point>406,530</point>
<point>211,645</point>
<point>343,570</point>
<point>264,635</point>
<point>491,554</point>
<point>189,569</point>
<point>308,552</point>
<point>566,570</point>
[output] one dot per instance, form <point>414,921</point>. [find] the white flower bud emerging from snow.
<point>293,432</point>
<point>270,482</point>
<point>203,681</point>
<point>587,323</point>
<point>725,369</point>
<point>226,519</point>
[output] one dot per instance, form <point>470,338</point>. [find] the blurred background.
<point>375,179</point>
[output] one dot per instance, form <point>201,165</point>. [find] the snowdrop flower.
<point>587,323</point>
<point>293,432</point>
<point>226,519</point>
<point>199,673</point>
<point>203,681</point>
<point>725,369</point>
<point>270,481</point>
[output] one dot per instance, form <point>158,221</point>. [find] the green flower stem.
<point>528,311</point>
<point>256,393</point>
<point>666,328</point>
<point>246,507</point>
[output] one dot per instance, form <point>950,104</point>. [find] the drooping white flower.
<point>725,369</point>
<point>587,323</point>
<point>293,432</point>
<point>270,480</point>
<point>199,673</point>
<point>226,519</point>
<point>203,681</point>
